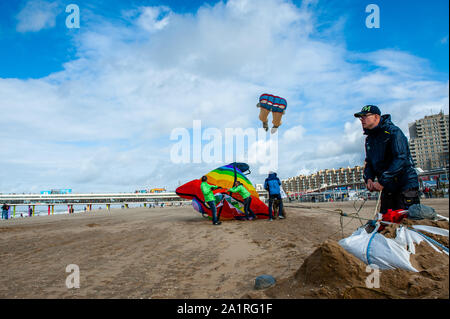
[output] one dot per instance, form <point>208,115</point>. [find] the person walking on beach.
<point>427,192</point>
<point>30,211</point>
<point>389,160</point>
<point>272,185</point>
<point>209,198</point>
<point>239,188</point>
<point>5,209</point>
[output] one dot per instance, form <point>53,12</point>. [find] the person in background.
<point>5,209</point>
<point>239,188</point>
<point>272,185</point>
<point>426,191</point>
<point>210,198</point>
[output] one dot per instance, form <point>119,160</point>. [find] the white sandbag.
<point>356,243</point>
<point>407,240</point>
<point>376,249</point>
<point>433,230</point>
<point>283,194</point>
<point>418,237</point>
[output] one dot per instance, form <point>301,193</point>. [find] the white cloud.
<point>154,18</point>
<point>396,61</point>
<point>37,15</point>
<point>294,134</point>
<point>104,122</point>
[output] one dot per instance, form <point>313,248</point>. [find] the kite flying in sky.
<point>271,103</point>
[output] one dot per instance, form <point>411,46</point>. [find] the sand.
<point>173,252</point>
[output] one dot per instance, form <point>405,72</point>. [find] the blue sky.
<point>93,108</point>
<point>417,27</point>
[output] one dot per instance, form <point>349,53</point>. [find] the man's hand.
<point>369,185</point>
<point>378,187</point>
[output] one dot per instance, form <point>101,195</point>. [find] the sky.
<point>93,108</point>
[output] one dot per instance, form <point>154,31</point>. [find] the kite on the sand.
<point>229,205</point>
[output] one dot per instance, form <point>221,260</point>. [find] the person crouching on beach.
<point>239,188</point>
<point>209,198</point>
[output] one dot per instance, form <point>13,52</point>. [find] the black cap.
<point>373,109</point>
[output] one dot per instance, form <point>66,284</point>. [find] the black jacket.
<point>388,157</point>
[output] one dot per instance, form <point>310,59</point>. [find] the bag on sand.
<point>375,249</point>
<point>419,211</point>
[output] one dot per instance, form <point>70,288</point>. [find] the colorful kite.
<point>228,206</point>
<point>271,103</point>
<point>225,176</point>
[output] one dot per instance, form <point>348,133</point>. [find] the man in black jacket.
<point>389,160</point>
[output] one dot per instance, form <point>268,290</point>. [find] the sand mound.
<point>332,266</point>
<point>331,272</point>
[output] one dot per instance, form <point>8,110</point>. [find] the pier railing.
<point>86,199</point>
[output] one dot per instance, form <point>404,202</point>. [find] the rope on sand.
<point>346,294</point>
<point>341,213</point>
<point>430,240</point>
<point>353,215</point>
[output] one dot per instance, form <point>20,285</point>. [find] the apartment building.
<point>429,141</point>
<point>327,179</point>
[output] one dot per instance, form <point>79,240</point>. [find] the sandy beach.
<point>169,252</point>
